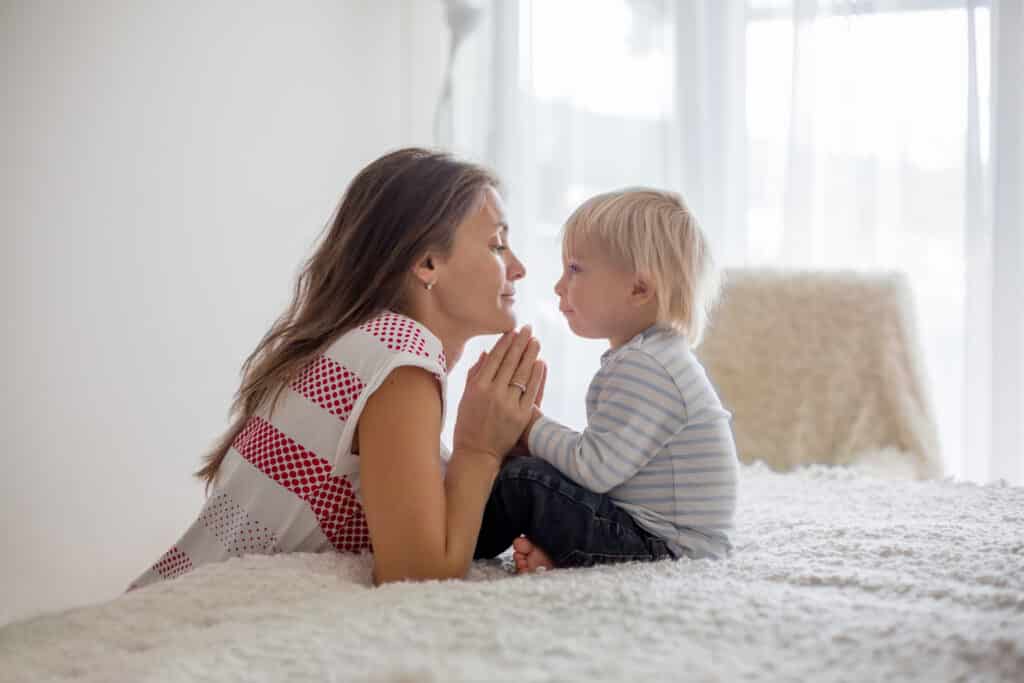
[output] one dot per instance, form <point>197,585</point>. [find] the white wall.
<point>166,167</point>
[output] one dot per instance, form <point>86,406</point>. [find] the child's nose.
<point>560,285</point>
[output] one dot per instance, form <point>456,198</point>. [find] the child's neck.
<point>630,329</point>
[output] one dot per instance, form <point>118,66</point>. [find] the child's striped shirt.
<point>657,441</point>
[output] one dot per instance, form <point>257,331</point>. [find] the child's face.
<point>596,296</point>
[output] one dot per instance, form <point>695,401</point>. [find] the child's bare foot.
<point>528,557</point>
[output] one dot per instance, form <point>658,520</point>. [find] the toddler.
<point>653,473</point>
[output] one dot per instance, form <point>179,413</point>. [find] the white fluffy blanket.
<point>836,577</point>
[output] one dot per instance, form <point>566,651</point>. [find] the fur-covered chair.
<point>822,367</point>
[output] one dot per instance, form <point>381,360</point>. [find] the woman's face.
<point>476,282</point>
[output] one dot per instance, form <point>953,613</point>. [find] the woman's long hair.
<point>398,208</point>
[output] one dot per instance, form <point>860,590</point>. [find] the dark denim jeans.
<point>573,525</point>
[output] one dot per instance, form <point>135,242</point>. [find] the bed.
<point>853,561</point>
<point>837,576</point>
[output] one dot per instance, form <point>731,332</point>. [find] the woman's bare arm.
<point>424,525</point>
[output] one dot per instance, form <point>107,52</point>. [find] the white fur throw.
<point>836,577</point>
<point>821,367</point>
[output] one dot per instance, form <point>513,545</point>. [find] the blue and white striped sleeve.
<point>638,410</point>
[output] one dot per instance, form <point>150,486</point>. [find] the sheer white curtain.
<point>994,247</point>
<point>804,133</point>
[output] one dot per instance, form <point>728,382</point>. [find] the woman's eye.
<point>499,248</point>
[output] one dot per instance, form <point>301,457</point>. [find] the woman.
<point>335,442</point>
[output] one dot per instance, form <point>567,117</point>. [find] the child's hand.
<point>540,394</point>
<point>524,438</point>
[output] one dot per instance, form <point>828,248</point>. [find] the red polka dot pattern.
<point>340,515</point>
<point>278,456</point>
<point>330,385</point>
<point>331,498</point>
<point>240,534</point>
<point>173,563</point>
<point>398,333</point>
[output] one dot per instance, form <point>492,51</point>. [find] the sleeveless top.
<point>290,482</point>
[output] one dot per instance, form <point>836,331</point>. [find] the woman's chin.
<point>504,322</point>
<point>509,323</point>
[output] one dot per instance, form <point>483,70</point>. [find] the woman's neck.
<point>453,342</point>
<point>452,352</point>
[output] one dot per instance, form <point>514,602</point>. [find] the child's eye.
<point>573,268</point>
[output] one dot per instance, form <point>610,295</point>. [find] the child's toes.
<point>538,561</point>
<point>523,545</point>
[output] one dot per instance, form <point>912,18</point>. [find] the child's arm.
<point>524,438</point>
<point>638,410</point>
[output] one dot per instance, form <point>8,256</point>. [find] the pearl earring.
<point>428,285</point>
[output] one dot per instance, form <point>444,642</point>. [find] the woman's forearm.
<point>468,484</point>
<point>444,552</point>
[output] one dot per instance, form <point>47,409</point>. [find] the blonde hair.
<point>654,234</point>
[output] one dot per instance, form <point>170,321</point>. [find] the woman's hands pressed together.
<point>501,390</point>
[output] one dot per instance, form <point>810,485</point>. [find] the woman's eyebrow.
<point>503,226</point>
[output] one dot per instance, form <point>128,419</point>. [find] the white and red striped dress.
<point>290,482</point>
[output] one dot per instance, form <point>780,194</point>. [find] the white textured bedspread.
<point>836,577</point>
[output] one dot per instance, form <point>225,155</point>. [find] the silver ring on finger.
<point>519,386</point>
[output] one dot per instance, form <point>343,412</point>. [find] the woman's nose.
<point>516,270</point>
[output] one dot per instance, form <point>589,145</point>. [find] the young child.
<point>657,457</point>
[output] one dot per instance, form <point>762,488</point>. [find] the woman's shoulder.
<point>390,352</point>
<point>385,341</point>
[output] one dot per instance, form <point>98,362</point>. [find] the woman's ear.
<point>425,271</point>
<point>643,291</point>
